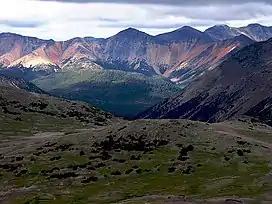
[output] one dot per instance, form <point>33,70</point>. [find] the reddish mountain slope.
<point>205,57</point>
<point>13,47</point>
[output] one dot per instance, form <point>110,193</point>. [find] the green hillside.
<point>119,92</point>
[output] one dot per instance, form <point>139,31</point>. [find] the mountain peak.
<point>7,34</point>
<point>131,30</point>
<point>17,36</point>
<point>187,29</point>
<point>218,27</point>
<point>131,33</point>
<point>183,34</point>
<point>222,26</point>
<point>221,32</point>
<point>255,25</point>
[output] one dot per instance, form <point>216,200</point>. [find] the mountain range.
<point>128,72</point>
<point>178,55</point>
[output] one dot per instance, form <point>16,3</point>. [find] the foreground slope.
<point>240,85</point>
<point>140,162</point>
<point>23,106</point>
<point>57,151</point>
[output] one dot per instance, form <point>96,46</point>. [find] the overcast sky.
<point>64,19</point>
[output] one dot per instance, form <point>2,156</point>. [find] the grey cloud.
<point>169,2</point>
<point>221,13</point>
<point>102,19</point>
<point>200,16</point>
<point>21,24</point>
<point>195,13</point>
<point>216,10</point>
<point>112,20</point>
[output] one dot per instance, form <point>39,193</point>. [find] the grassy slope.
<point>217,169</point>
<point>122,93</point>
<point>22,111</point>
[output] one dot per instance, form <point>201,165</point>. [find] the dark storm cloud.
<point>169,2</point>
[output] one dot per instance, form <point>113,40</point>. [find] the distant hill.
<point>119,92</point>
